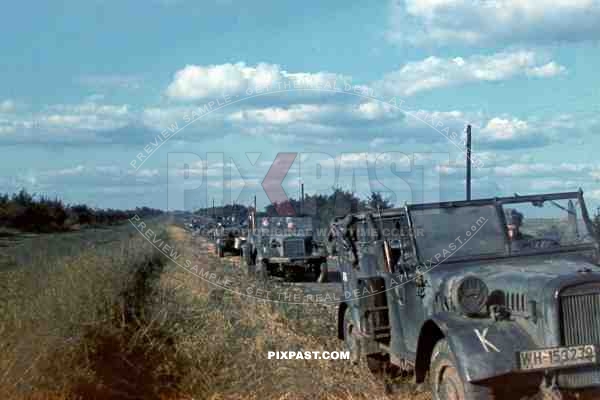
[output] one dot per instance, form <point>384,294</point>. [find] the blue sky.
<point>86,86</point>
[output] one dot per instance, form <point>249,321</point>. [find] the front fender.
<point>483,348</point>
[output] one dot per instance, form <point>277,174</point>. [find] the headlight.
<point>470,295</point>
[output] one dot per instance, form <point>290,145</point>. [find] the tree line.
<point>32,213</point>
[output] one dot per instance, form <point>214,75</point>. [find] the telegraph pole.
<point>468,162</point>
<point>302,200</point>
<point>253,215</point>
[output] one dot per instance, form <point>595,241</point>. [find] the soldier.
<point>514,226</point>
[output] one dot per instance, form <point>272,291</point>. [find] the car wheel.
<point>351,344</point>
<point>446,383</point>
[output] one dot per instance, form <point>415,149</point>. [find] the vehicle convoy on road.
<point>285,247</point>
<point>489,298</point>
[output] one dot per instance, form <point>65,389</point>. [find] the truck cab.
<point>285,247</point>
<point>475,294</point>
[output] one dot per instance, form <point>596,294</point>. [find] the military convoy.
<point>467,295</point>
<point>285,247</point>
<point>491,298</point>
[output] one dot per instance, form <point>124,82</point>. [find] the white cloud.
<point>358,160</point>
<point>87,116</point>
<point>435,73</point>
<point>377,142</point>
<point>7,106</point>
<point>553,184</point>
<point>378,124</point>
<point>546,71</point>
<point>446,170</point>
<point>529,169</point>
<point>198,82</point>
<point>279,115</point>
<point>144,173</point>
<point>7,130</point>
<point>501,129</point>
<point>72,171</point>
<point>317,117</point>
<point>494,21</point>
<point>376,110</point>
<point>593,194</point>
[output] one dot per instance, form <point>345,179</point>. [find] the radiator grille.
<point>580,309</point>
<point>293,247</point>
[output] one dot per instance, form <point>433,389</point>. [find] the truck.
<point>482,299</point>
<point>228,239</point>
<point>285,247</point>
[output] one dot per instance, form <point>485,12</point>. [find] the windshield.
<point>445,233</point>
<point>550,224</point>
<point>457,232</point>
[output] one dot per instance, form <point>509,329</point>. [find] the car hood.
<point>526,274</point>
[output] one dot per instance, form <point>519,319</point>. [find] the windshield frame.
<point>498,203</point>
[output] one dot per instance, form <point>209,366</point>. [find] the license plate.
<point>557,357</point>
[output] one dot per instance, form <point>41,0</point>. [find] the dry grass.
<point>228,343</point>
<point>117,322</point>
<point>58,316</point>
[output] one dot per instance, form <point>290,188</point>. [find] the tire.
<point>321,272</point>
<point>221,252</point>
<point>375,363</point>
<point>253,257</point>
<point>445,380</point>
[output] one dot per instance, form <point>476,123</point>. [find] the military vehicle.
<point>285,247</point>
<point>488,298</point>
<point>228,239</point>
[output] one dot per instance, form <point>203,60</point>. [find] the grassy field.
<point>67,301</point>
<point>103,315</point>
<point>21,250</point>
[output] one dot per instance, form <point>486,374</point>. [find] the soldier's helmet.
<point>516,218</point>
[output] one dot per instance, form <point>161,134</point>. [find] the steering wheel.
<point>542,243</point>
